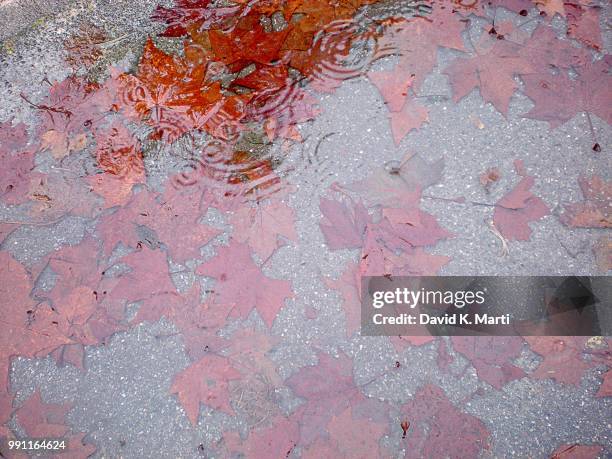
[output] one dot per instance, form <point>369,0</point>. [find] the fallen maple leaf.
<point>562,355</point>
<point>433,417</point>
<point>261,226</point>
<point>416,42</point>
<point>72,109</point>
<point>559,98</point>
<point>328,389</point>
<point>40,419</point>
<point>151,219</point>
<point>491,357</point>
<point>148,280</point>
<point>27,330</point>
<point>544,50</point>
<point>583,23</point>
<point>83,48</point>
<point>492,68</point>
<point>393,87</point>
<point>247,42</point>
<point>412,116</point>
<point>275,441</point>
<point>355,437</point>
<point>343,227</point>
<point>205,381</point>
<point>516,209</point>
<point>401,185</point>
<point>169,92</point>
<point>240,282</point>
<point>594,211</point>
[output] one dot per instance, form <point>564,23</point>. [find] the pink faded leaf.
<point>242,283</point>
<point>205,381</point>
<point>344,226</point>
<point>261,226</point>
<point>517,209</point>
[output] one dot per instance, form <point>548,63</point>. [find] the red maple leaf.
<point>416,41</point>
<point>148,280</point>
<point>247,42</point>
<point>169,92</point>
<point>119,155</point>
<point>433,417</point>
<point>241,283</point>
<point>27,327</point>
<point>205,381</point>
<point>412,116</point>
<point>544,50</point>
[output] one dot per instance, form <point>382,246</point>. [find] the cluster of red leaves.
<point>236,74</point>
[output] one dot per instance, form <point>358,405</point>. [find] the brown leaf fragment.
<point>594,211</point>
<point>489,177</point>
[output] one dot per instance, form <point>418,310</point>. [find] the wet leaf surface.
<point>227,96</point>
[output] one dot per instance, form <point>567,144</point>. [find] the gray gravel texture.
<point>123,402</point>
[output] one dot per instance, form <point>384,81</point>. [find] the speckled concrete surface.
<point>122,400</point>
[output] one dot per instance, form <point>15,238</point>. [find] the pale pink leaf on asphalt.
<point>596,209</point>
<point>558,98</point>
<point>328,389</point>
<point>402,189</point>
<point>274,441</point>
<point>438,429</point>
<point>355,437</point>
<point>411,116</point>
<point>41,419</point>
<point>491,357</point>
<point>348,285</point>
<point>393,87</point>
<point>563,358</point>
<point>343,225</point>
<point>206,381</point>
<point>242,283</point>
<point>261,226</point>
<point>492,70</point>
<point>517,209</point>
